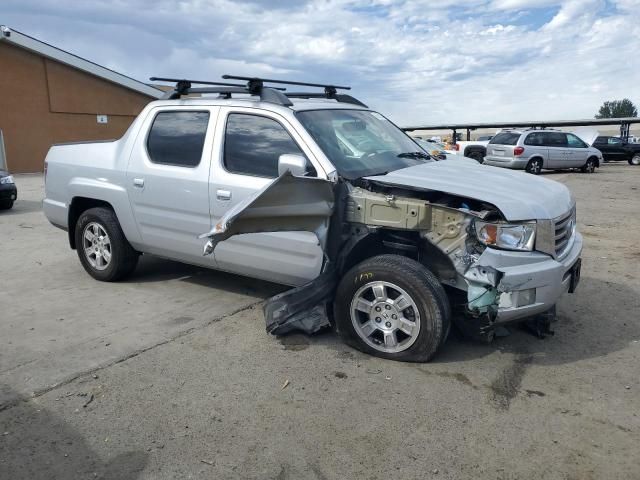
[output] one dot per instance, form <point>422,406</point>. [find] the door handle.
<point>223,194</point>
<point>138,182</point>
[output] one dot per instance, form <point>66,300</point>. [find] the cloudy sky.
<point>418,61</point>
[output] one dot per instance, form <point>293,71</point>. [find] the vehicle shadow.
<point>38,445</point>
<point>585,328</point>
<point>153,269</point>
<point>22,206</point>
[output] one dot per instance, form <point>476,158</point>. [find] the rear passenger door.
<point>246,151</point>
<point>557,145</point>
<point>168,181</point>
<point>577,152</point>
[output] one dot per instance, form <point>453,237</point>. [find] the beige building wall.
<point>43,102</point>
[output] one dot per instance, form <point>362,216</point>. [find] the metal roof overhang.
<point>527,124</point>
<point>14,37</point>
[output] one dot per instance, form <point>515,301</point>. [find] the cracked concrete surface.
<point>188,389</point>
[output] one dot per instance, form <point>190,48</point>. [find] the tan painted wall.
<point>43,102</point>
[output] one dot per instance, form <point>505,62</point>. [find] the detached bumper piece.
<point>304,308</point>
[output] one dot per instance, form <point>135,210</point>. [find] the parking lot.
<point>171,374</point>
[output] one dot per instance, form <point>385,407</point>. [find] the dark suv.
<point>8,190</point>
<point>616,149</point>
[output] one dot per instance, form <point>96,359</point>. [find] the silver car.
<point>316,191</point>
<point>535,150</point>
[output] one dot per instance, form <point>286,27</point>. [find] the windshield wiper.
<point>414,155</point>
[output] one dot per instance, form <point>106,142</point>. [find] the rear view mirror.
<point>296,164</point>
<point>354,126</point>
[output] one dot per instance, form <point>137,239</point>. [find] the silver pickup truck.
<point>316,191</point>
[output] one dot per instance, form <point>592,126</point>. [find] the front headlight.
<point>509,236</point>
<point>6,180</point>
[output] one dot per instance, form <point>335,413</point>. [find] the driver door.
<point>246,152</point>
<point>577,151</point>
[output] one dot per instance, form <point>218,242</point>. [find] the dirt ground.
<point>171,374</point>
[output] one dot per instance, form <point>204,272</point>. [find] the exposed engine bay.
<point>356,220</point>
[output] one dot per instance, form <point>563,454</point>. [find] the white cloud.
<point>419,61</point>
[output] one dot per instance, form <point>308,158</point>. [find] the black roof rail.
<point>339,97</point>
<point>255,86</point>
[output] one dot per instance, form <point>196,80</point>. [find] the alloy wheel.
<point>385,317</point>
<point>97,246</point>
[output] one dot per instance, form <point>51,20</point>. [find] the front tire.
<point>534,166</point>
<point>590,166</point>
<point>103,250</point>
<point>635,160</point>
<point>392,307</point>
<point>6,204</point>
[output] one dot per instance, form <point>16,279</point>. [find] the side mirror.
<point>296,164</point>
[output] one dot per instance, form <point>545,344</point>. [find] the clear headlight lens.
<point>6,180</point>
<point>509,236</point>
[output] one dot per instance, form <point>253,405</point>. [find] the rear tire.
<point>103,250</point>
<point>6,204</point>
<point>590,166</point>
<point>476,155</point>
<point>534,166</point>
<point>635,160</point>
<point>392,307</point>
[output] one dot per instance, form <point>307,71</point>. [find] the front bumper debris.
<point>527,284</point>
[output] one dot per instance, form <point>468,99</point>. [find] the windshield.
<point>361,143</point>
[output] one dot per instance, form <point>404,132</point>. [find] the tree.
<point>617,109</point>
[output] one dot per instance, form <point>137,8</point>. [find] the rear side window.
<point>600,140</point>
<point>177,138</point>
<point>506,138</point>
<point>253,145</point>
<point>555,139</point>
<point>535,139</point>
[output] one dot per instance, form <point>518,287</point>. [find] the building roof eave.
<point>21,40</point>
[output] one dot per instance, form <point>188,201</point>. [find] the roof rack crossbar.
<point>183,85</point>
<point>203,82</point>
<point>255,86</point>
<point>284,82</point>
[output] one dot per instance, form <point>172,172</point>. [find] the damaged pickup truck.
<point>316,191</point>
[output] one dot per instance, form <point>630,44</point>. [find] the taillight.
<point>45,172</point>
<point>518,151</point>
<point>456,147</point>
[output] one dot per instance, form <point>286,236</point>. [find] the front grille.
<point>564,230</point>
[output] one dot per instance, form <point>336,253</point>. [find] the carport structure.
<point>624,123</point>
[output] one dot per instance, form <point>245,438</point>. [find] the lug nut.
<point>388,324</point>
<point>388,307</point>
<point>394,316</point>
<point>378,319</point>
<point>378,309</point>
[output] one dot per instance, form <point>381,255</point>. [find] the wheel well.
<point>480,150</point>
<point>594,158</point>
<point>407,244</point>
<point>536,157</point>
<point>77,207</point>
